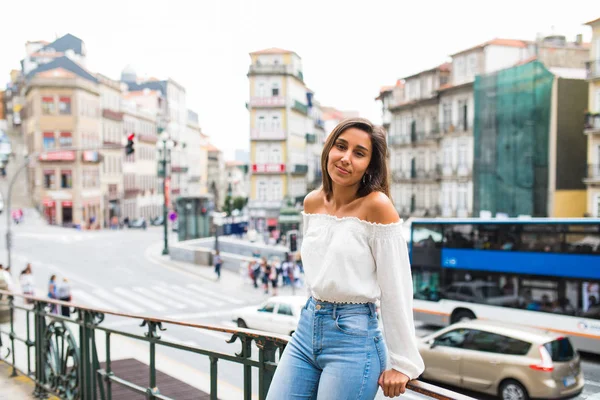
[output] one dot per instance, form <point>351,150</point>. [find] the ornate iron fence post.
<point>266,353</point>
<point>12,336</point>
<point>40,357</point>
<point>153,336</point>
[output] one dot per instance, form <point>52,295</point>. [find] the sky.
<point>349,48</point>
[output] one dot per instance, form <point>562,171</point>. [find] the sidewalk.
<point>17,388</point>
<point>232,279</point>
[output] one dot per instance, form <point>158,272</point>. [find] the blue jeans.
<point>337,352</point>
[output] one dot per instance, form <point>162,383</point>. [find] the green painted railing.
<point>67,365</point>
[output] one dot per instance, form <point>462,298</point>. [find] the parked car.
<point>158,221</point>
<point>139,223</point>
<point>279,314</point>
<point>510,362</point>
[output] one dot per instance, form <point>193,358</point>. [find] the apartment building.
<point>592,123</point>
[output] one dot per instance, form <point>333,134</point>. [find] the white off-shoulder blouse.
<point>348,260</point>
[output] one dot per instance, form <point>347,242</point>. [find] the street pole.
<point>8,212</point>
<point>165,198</point>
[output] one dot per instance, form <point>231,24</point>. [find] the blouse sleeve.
<point>395,281</point>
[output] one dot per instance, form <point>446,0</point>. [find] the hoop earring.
<point>366,178</point>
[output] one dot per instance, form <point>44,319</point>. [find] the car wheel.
<point>241,323</point>
<point>513,390</point>
<point>461,315</point>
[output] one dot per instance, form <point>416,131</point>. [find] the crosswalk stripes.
<point>214,294</point>
<point>122,304</point>
<point>216,303</point>
<point>163,299</point>
<point>159,297</point>
<point>140,299</point>
<point>176,294</point>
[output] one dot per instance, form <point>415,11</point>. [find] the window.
<point>462,196</point>
<point>275,89</point>
<point>261,156</point>
<point>275,122</point>
<point>66,139</point>
<point>284,309</point>
<point>276,190</point>
<point>49,179</point>
<point>48,105</point>
<point>275,155</point>
<point>261,89</point>
<point>446,116</point>
<point>64,105</point>
<point>49,141</point>
<point>462,155</point>
<point>268,308</point>
<point>66,179</point>
<point>261,122</point>
<point>472,67</point>
<point>484,341</point>
<point>455,338</point>
<point>262,190</point>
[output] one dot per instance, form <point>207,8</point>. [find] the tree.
<point>238,203</point>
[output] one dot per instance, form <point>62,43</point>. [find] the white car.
<point>279,314</point>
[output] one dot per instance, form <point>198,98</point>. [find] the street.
<point>123,271</point>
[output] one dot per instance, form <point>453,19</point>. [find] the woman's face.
<point>349,157</point>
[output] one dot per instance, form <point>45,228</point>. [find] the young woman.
<point>353,254</point>
<point>27,282</point>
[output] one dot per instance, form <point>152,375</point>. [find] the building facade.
<point>63,111</point>
<point>217,185</point>
<point>196,157</point>
<point>238,178</point>
<point>111,173</point>
<point>280,120</point>
<point>143,196</point>
<point>592,123</point>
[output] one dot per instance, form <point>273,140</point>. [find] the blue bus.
<point>540,272</point>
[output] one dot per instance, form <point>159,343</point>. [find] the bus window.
<point>541,238</point>
<point>426,284</point>
<point>583,239</point>
<point>459,236</point>
<point>428,236</point>
<point>590,300</point>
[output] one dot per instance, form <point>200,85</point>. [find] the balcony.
<point>591,124</point>
<point>298,168</point>
<point>593,69</point>
<point>400,175</point>
<point>267,101</point>
<point>398,139</point>
<point>270,69</point>
<point>311,138</point>
<point>301,108</point>
<point>593,174</point>
<point>268,168</point>
<point>82,355</point>
<point>319,123</point>
<point>265,204</point>
<point>263,134</point>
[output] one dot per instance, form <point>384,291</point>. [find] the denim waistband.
<point>325,307</point>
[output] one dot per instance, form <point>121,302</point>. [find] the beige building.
<point>217,185</point>
<point>63,111</point>
<point>142,194</point>
<point>111,173</point>
<point>592,126</point>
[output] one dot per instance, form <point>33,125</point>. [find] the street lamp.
<point>164,146</point>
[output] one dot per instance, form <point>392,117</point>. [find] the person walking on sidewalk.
<point>218,261</point>
<point>27,283</point>
<point>64,294</point>
<point>353,254</point>
<point>52,292</point>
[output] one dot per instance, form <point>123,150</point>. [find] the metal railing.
<point>67,364</point>
<point>593,69</point>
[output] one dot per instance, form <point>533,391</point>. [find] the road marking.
<point>160,297</point>
<point>229,299</point>
<point>189,292</point>
<point>173,293</point>
<point>120,303</point>
<point>90,300</point>
<point>140,299</point>
<point>591,383</point>
<point>173,339</point>
<point>207,314</point>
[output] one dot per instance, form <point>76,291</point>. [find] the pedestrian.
<point>274,277</point>
<point>256,268</point>
<point>64,294</point>
<point>266,271</point>
<point>27,283</point>
<point>7,277</point>
<point>353,254</point>
<point>218,262</point>
<point>52,293</point>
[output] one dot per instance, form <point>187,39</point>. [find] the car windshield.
<point>560,349</point>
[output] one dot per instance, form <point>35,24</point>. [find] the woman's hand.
<point>393,383</point>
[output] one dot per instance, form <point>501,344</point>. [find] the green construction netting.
<point>511,129</point>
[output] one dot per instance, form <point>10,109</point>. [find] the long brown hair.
<point>376,178</point>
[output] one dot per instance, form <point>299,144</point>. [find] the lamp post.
<point>164,146</point>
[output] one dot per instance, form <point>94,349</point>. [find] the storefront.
<point>49,211</point>
<point>67,212</point>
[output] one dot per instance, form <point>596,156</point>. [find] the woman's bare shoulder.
<point>313,201</point>
<point>380,209</point>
